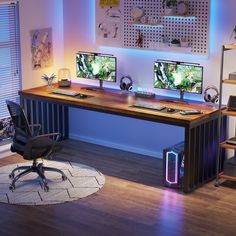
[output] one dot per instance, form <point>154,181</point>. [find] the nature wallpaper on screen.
<point>178,76</point>
<point>92,66</point>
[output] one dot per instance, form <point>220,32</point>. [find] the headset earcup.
<point>207,97</point>
<point>129,87</point>
<point>215,99</point>
<point>122,85</point>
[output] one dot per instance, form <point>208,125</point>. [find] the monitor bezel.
<point>178,63</point>
<point>101,55</point>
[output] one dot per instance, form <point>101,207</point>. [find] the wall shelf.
<point>178,16</point>
<point>159,47</point>
<point>146,24</point>
<point>226,112</point>
<point>229,47</point>
<point>229,81</point>
<point>227,145</point>
<point>228,177</point>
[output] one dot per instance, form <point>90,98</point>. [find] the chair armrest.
<point>58,135</point>
<point>35,128</point>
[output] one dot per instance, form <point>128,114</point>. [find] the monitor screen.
<point>96,66</point>
<point>177,76</point>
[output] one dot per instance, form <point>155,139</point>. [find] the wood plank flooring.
<point>132,202</point>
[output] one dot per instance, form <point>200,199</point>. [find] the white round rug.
<point>82,181</point>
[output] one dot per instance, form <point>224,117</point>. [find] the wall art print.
<point>41,48</point>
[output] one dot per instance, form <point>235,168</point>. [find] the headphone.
<point>211,98</point>
<point>126,85</point>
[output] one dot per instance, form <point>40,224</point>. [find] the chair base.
<point>39,169</point>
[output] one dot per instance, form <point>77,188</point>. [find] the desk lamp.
<point>64,77</point>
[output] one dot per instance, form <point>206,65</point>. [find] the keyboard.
<point>149,106</point>
<point>66,92</point>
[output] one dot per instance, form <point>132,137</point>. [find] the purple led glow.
<point>176,167</point>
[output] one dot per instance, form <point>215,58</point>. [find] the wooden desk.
<point>51,111</point>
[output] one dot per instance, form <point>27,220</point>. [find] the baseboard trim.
<point>116,146</point>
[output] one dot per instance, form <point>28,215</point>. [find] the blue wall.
<point>129,134</point>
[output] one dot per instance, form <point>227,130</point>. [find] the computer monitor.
<point>96,66</point>
<point>184,77</point>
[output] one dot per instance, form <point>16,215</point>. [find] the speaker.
<point>173,165</point>
<point>126,85</point>
<point>208,97</point>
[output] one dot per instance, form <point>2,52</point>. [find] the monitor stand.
<point>177,100</point>
<point>93,88</point>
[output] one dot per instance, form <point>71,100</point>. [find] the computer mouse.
<point>83,96</point>
<point>170,109</point>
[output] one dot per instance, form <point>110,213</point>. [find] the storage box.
<point>232,76</point>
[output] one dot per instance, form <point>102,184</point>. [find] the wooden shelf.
<point>229,47</point>
<point>160,47</point>
<point>227,145</point>
<point>177,16</point>
<point>223,176</point>
<point>229,113</point>
<point>229,81</point>
<point>146,24</point>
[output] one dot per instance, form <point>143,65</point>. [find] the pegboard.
<point>194,27</point>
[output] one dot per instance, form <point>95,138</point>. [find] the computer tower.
<point>173,165</point>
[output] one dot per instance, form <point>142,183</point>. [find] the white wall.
<point>38,14</point>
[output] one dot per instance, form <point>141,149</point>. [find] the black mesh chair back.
<point>21,126</point>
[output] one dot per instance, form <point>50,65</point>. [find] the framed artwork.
<point>41,48</point>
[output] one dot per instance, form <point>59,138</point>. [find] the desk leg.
<point>52,117</point>
<point>200,154</point>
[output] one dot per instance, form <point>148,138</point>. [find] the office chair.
<point>31,146</point>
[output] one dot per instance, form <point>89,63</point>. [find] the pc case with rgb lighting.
<point>173,165</point>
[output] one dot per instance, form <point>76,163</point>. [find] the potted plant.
<point>169,6</point>
<point>175,43</point>
<point>49,79</point>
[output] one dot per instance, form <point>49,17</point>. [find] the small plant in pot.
<point>169,6</point>
<point>175,43</point>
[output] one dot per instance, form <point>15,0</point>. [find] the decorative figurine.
<point>139,40</point>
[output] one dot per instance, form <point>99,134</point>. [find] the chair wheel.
<point>12,187</point>
<point>64,177</point>
<point>217,184</point>
<point>11,176</point>
<point>46,188</point>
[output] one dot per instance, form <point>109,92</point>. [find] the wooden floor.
<point>132,202</point>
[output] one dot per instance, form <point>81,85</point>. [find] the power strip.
<point>144,94</point>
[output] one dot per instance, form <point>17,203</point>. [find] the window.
<point>10,76</point>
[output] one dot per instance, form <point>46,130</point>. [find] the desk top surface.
<point>120,103</point>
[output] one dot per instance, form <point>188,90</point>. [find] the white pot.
<point>169,10</point>
<point>184,44</point>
